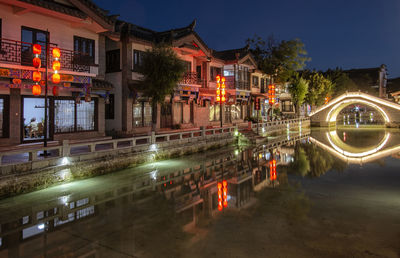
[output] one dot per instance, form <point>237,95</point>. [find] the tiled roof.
<point>73,11</point>
<point>110,19</point>
<point>57,7</point>
<point>230,55</point>
<point>158,37</point>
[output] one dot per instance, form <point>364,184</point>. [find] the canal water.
<point>303,194</point>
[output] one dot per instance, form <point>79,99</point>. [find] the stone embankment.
<point>26,170</point>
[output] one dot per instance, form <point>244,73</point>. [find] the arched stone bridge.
<point>326,115</point>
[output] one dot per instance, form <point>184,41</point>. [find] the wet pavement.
<point>303,199</point>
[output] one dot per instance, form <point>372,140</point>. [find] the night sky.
<point>337,33</point>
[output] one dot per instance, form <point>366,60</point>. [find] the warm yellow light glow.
<point>361,154</point>
<point>332,118</point>
<point>358,160</point>
<point>371,100</point>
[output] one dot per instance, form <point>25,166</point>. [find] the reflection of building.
<point>190,187</point>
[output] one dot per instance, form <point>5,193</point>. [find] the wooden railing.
<point>141,143</point>
<point>191,78</point>
<point>18,52</point>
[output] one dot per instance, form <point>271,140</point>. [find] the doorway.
<point>166,115</point>
<point>33,119</point>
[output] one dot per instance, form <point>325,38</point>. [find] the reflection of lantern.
<point>37,49</point>
<point>36,90</point>
<point>219,186</point>
<point>55,78</point>
<point>56,52</point>
<point>272,170</point>
<point>225,193</point>
<point>36,76</point>
<point>37,62</point>
<point>56,65</point>
<point>55,91</point>
<point>42,83</point>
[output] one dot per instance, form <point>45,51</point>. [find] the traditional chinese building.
<point>76,103</point>
<point>238,67</point>
<point>189,105</point>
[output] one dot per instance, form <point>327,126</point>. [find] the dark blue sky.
<point>343,33</point>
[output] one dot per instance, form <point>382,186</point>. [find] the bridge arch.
<point>335,110</point>
<point>353,152</point>
<point>327,114</point>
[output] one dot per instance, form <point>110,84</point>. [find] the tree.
<point>279,59</point>
<point>298,89</point>
<point>301,164</point>
<point>162,70</point>
<point>341,81</point>
<point>319,88</point>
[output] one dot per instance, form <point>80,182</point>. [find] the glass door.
<point>33,119</point>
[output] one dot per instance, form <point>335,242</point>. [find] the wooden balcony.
<point>191,78</point>
<point>20,53</point>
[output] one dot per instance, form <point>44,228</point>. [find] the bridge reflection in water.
<point>80,218</point>
<point>386,144</point>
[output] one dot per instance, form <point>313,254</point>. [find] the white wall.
<point>116,123</point>
<point>61,31</point>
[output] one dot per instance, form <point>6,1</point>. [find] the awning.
<point>260,95</point>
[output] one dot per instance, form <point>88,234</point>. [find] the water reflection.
<point>358,146</point>
<point>170,192</point>
<point>157,205</point>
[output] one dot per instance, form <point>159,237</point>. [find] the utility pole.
<point>45,93</point>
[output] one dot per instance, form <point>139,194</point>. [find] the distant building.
<point>370,80</point>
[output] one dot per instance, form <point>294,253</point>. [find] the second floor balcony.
<point>20,53</point>
<point>192,78</point>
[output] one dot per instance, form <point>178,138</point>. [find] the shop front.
<point>72,108</point>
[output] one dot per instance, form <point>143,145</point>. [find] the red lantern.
<point>55,91</point>
<point>37,49</point>
<point>36,76</point>
<point>88,98</point>
<point>42,83</point>
<point>37,62</point>
<point>56,65</point>
<point>16,81</point>
<point>56,78</point>
<point>56,52</point>
<point>36,90</point>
